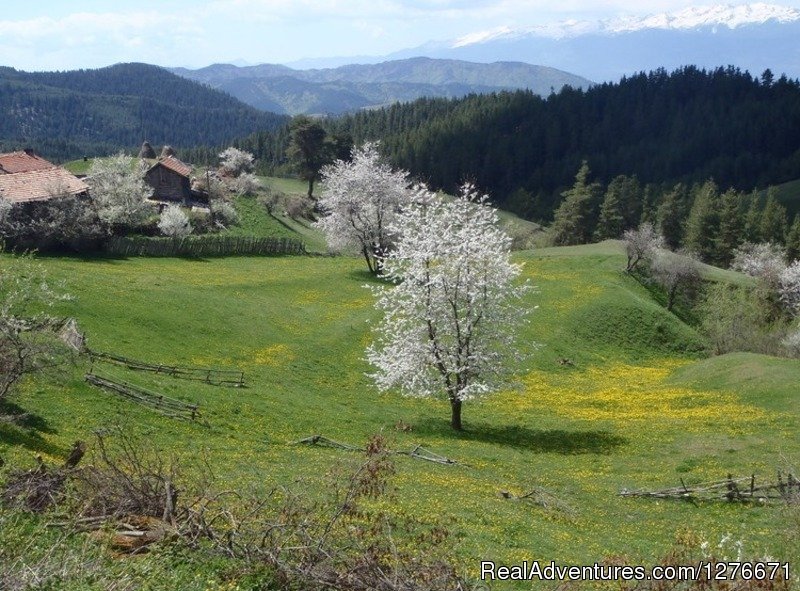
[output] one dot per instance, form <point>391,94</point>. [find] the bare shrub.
<point>343,540</point>
<point>299,207</point>
<point>677,273</point>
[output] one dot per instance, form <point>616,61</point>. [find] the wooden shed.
<point>170,180</point>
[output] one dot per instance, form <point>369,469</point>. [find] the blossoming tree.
<point>360,200</point>
<point>452,311</point>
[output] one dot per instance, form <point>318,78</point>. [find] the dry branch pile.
<point>133,500</point>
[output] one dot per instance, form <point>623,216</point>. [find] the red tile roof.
<point>175,165</point>
<point>40,185</point>
<point>15,162</point>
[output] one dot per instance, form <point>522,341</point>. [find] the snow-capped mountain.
<point>721,15</point>
<point>751,36</point>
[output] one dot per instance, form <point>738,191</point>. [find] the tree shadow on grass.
<point>25,429</point>
<point>364,276</point>
<point>558,441</point>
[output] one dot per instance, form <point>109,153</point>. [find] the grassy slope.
<point>636,407</point>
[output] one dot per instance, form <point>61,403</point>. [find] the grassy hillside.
<point>615,394</point>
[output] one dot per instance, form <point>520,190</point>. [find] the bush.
<point>739,319</point>
<point>299,207</point>
<point>174,222</point>
<point>224,213</point>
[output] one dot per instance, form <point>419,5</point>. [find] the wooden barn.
<point>170,179</point>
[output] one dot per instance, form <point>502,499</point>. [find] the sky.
<point>59,35</point>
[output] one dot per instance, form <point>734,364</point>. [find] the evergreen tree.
<point>573,219</point>
<point>612,211</point>
<point>671,216</point>
<point>773,220</point>
<point>752,219</point>
<point>731,225</point>
<point>793,240</point>
<point>702,225</point>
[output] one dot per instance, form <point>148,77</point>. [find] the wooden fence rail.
<point>743,489</point>
<point>170,407</point>
<point>215,377</point>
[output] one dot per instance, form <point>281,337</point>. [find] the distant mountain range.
<point>281,89</point>
<point>752,37</point>
<point>67,114</point>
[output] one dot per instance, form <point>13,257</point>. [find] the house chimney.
<point>29,152</point>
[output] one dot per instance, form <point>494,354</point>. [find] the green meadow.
<point>616,393</point>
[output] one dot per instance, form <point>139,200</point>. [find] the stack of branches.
<point>336,541</point>
<point>541,498</point>
<point>42,487</point>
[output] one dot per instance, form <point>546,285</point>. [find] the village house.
<point>28,178</point>
<point>171,181</point>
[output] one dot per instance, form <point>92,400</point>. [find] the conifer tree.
<point>752,219</point>
<point>671,215</point>
<point>702,225</point>
<point>573,219</point>
<point>773,220</point>
<point>612,219</point>
<point>793,240</point>
<point>731,225</point>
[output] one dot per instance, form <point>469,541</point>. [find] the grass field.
<point>616,394</point>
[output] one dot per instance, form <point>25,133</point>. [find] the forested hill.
<point>68,114</point>
<point>689,125</point>
<point>357,86</point>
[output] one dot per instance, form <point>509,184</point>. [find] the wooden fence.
<point>203,246</point>
<point>170,407</point>
<point>215,377</point>
<point>744,489</point>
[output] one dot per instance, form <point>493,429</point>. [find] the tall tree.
<point>752,219</point>
<point>671,216</point>
<point>359,202</point>
<point>793,240</point>
<point>702,225</point>
<point>309,149</point>
<point>573,221</point>
<point>731,225</point>
<point>773,220</point>
<point>452,315</point>
<point>612,211</point>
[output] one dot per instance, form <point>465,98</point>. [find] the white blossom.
<point>119,192</point>
<point>453,310</point>
<point>789,287</point>
<point>360,200</point>
<point>5,210</point>
<point>174,222</point>
<point>236,162</point>
<point>245,184</point>
<point>641,244</point>
<point>764,260</point>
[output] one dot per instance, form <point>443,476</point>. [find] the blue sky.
<point>58,35</point>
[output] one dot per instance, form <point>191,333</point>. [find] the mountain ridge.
<point>357,86</point>
<point>66,114</point>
